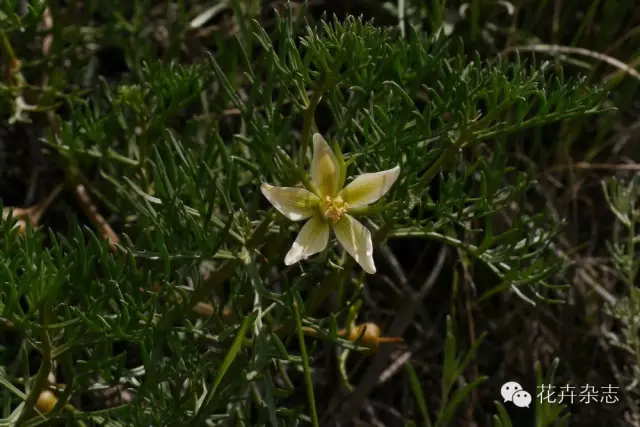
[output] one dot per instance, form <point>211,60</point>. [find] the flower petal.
<point>325,169</point>
<point>293,202</point>
<point>356,239</point>
<point>313,238</point>
<point>369,187</point>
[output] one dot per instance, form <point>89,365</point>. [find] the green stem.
<point>224,272</point>
<point>109,154</point>
<point>466,134</point>
<point>444,158</point>
<point>475,18</point>
<point>401,23</point>
<point>40,380</point>
<point>631,279</point>
<point>328,285</point>
<point>227,269</point>
<point>370,210</point>
<point>332,281</point>
<point>306,126</point>
<point>142,160</point>
<point>298,170</point>
<point>6,45</point>
<point>305,364</point>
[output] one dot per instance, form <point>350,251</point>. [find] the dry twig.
<point>79,190</point>
<point>554,48</point>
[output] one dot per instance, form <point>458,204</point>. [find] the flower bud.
<point>21,225</point>
<point>46,401</point>
<point>370,336</point>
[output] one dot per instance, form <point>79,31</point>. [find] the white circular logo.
<point>521,399</point>
<point>508,389</point>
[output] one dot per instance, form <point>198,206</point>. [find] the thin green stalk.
<point>236,346</point>
<point>306,126</point>
<point>6,45</point>
<point>228,268</point>
<point>109,153</point>
<point>328,285</point>
<point>142,161</point>
<point>332,281</point>
<point>224,272</point>
<point>444,158</point>
<point>631,279</point>
<point>475,20</point>
<point>370,210</point>
<point>305,364</point>
<point>418,394</point>
<point>40,380</point>
<point>299,171</point>
<point>466,134</point>
<point>401,17</point>
<point>437,11</point>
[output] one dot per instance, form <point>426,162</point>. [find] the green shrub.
<point>177,152</point>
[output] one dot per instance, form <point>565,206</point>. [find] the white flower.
<point>328,205</point>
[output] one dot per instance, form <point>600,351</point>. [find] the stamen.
<point>333,209</point>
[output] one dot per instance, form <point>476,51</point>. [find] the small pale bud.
<point>21,225</point>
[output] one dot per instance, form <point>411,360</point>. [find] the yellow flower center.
<point>333,209</point>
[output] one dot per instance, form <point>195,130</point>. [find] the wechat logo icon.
<point>512,392</point>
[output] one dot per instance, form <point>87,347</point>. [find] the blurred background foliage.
<point>136,134</point>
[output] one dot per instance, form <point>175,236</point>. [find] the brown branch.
<point>596,166</point>
<point>553,48</point>
<point>98,221</point>
<point>87,205</point>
